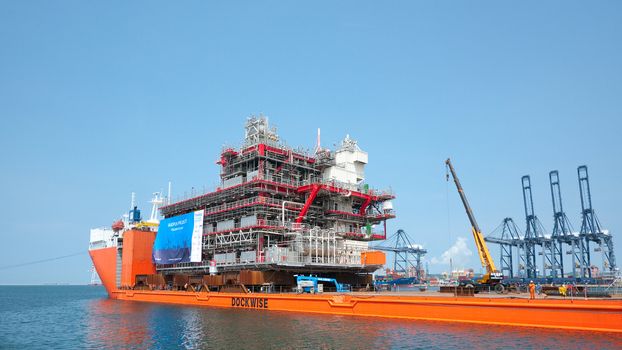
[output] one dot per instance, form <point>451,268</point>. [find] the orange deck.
<point>590,315</point>
<point>578,314</point>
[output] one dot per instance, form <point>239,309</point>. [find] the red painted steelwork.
<point>257,202</point>
<point>335,189</point>
<point>358,236</point>
<point>365,205</point>
<point>254,227</point>
<point>312,195</point>
<point>370,217</point>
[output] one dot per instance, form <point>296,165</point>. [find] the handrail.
<point>278,180</point>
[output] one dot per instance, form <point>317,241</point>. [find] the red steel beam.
<point>312,195</point>
<point>365,205</point>
<point>254,227</point>
<point>338,190</point>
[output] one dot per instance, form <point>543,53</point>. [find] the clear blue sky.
<point>99,99</point>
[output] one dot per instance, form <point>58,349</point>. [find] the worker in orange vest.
<point>532,290</point>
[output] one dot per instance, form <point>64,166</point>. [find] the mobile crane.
<point>493,277</point>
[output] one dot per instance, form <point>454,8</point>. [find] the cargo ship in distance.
<point>288,230</point>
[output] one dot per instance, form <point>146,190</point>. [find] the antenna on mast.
<point>133,204</point>
<point>318,147</point>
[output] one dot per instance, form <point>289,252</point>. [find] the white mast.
<point>318,147</point>
<point>156,201</point>
<point>168,198</point>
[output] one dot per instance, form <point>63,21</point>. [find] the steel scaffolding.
<point>275,207</point>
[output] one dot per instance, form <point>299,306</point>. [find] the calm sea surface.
<point>74,317</point>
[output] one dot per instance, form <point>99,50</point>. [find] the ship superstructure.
<point>280,208</point>
<point>106,237</point>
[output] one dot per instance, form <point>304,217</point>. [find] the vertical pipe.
<point>334,247</point>
<point>323,241</point>
<point>316,248</point>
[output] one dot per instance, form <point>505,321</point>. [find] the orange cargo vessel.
<point>577,314</point>
<point>278,214</point>
<point>562,314</point>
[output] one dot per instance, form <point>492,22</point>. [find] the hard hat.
<point>530,281</point>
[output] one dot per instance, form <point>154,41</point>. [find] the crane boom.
<point>484,254</point>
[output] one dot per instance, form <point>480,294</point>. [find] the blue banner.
<point>173,242</point>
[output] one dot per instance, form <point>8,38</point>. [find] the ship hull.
<point>105,262</point>
<point>589,315</point>
<point>577,314</point>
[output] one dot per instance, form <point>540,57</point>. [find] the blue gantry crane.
<point>534,235</point>
<point>407,256</point>
<point>591,230</point>
<point>552,248</point>
<point>563,232</point>
<point>534,231</point>
<point>509,238</point>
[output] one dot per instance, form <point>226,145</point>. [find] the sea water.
<point>77,317</point>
